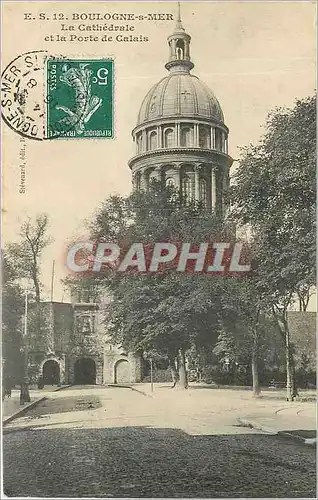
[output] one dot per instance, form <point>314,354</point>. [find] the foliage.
<point>164,312</point>
<point>275,193</point>
<point>12,313</point>
<point>25,256</point>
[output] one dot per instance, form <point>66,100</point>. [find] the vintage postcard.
<point>158,249</point>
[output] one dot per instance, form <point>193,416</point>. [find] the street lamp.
<point>148,356</point>
<point>151,374</point>
<point>24,392</point>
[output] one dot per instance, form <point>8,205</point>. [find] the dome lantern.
<point>179,48</point>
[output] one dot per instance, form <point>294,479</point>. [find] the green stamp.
<point>80,98</point>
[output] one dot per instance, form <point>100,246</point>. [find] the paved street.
<point>115,442</point>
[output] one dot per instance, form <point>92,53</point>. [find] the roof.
<point>180,94</point>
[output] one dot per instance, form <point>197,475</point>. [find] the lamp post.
<point>24,392</point>
<point>151,374</point>
<point>148,356</point>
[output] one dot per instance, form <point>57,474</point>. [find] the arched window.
<point>180,49</point>
<point>139,143</point>
<point>169,138</point>
<point>203,138</point>
<point>186,137</point>
<point>187,188</point>
<point>170,182</point>
<point>203,192</point>
<point>153,140</point>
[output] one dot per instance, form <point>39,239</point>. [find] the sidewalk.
<point>11,406</point>
<point>292,420</point>
<point>266,394</point>
<point>269,413</point>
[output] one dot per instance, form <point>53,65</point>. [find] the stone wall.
<point>67,333</point>
<point>120,367</point>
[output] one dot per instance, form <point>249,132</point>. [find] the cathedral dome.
<point>181,138</point>
<point>180,94</point>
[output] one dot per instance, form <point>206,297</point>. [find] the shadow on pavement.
<point>64,404</point>
<point>151,462</point>
<point>302,433</point>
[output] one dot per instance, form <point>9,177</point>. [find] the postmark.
<point>22,105</point>
<point>81,99</point>
<point>49,97</point>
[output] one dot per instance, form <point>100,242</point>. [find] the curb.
<point>132,388</point>
<point>29,406</point>
<point>22,410</point>
<point>255,425</point>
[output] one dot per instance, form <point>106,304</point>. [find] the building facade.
<point>181,139</point>
<point>68,345</point>
<point>180,136</point>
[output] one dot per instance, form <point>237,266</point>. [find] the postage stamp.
<point>80,99</point>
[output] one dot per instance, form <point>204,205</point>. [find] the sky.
<point>255,56</point>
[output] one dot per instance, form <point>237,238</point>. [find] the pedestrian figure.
<point>40,383</point>
<point>7,388</point>
<point>24,393</point>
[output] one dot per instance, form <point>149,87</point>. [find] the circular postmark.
<point>22,105</point>
<point>26,98</point>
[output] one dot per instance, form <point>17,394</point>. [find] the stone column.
<point>144,141</point>
<point>143,181</point>
<point>213,189</point>
<point>222,141</point>
<point>178,133</point>
<point>197,182</point>
<point>187,49</point>
<point>226,182</point>
<point>173,47</point>
<point>213,137</point>
<point>170,47</point>
<point>159,136</point>
<point>177,176</point>
<point>196,135</point>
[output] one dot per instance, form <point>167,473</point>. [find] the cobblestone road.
<point>113,442</point>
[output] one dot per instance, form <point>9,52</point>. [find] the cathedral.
<point>181,139</point>
<point>180,135</point>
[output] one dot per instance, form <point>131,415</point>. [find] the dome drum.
<point>181,134</point>
<point>204,182</point>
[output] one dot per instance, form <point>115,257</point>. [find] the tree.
<point>242,310</point>
<point>12,312</point>
<point>25,255</point>
<point>24,259</point>
<point>274,193</point>
<point>165,312</point>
